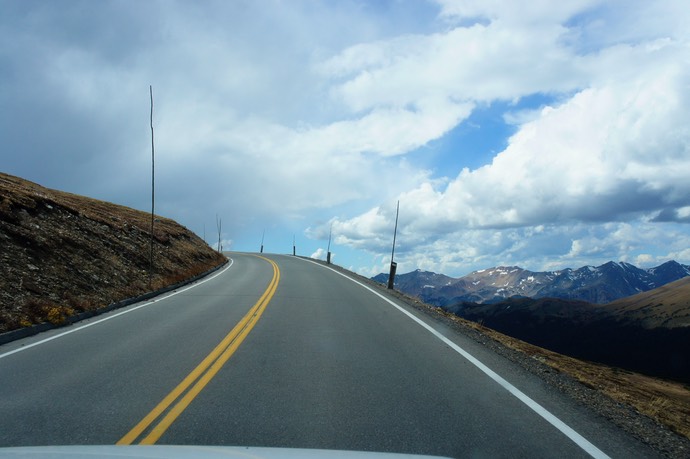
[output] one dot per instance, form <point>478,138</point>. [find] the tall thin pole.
<point>394,265</point>
<point>153,177</point>
<point>219,226</point>
<point>395,231</point>
<point>262,241</point>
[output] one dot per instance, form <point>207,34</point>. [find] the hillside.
<point>667,306</point>
<point>647,333</point>
<point>594,284</point>
<point>63,253</point>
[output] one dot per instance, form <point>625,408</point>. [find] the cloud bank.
<point>292,118</point>
<point>594,169</point>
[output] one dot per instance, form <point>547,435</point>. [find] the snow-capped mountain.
<point>600,284</point>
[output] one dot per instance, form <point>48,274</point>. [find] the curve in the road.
<point>179,398</point>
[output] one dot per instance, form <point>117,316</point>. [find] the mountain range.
<point>644,325</point>
<point>601,284</point>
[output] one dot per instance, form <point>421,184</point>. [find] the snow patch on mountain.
<point>596,284</point>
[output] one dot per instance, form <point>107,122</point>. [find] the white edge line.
<point>568,431</point>
<point>127,311</point>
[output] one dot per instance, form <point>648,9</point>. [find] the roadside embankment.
<point>64,254</point>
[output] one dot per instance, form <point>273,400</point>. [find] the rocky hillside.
<point>600,284</point>
<point>63,254</point>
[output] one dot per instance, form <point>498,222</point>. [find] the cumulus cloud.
<point>680,215</point>
<point>550,247</point>
<point>615,148</point>
<point>266,116</point>
<point>321,254</point>
<point>534,12</point>
<point>479,63</point>
<point>243,124</point>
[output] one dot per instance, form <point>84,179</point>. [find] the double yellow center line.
<point>177,401</point>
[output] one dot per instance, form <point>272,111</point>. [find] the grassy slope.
<point>63,253</point>
<point>667,402</point>
<point>667,306</point>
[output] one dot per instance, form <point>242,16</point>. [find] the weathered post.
<point>391,276</point>
<point>394,265</point>
<point>153,169</point>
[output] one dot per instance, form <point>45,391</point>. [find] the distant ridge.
<point>601,284</point>
<point>667,306</point>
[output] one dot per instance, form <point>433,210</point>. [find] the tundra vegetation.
<point>64,254</point>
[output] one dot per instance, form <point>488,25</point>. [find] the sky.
<point>537,134</point>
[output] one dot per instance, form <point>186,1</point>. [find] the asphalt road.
<point>283,352</point>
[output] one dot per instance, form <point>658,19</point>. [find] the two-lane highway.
<point>282,351</point>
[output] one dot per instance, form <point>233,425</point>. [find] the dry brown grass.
<point>667,306</point>
<point>667,402</point>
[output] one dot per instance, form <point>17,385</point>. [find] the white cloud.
<point>532,12</point>
<point>480,63</point>
<point>607,152</point>
<point>617,149</point>
<point>324,112</point>
<point>225,244</point>
<point>551,248</point>
<point>322,254</point>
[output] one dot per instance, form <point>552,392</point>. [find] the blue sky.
<point>545,135</point>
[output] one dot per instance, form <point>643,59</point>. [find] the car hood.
<point>186,452</point>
